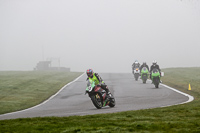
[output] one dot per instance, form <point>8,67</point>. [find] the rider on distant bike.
<point>136,64</point>
<point>144,65</point>
<point>153,66</point>
<point>98,81</point>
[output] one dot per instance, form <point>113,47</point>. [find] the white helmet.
<point>154,62</point>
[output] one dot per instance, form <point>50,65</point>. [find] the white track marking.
<point>191,98</point>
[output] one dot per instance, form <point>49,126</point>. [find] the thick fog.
<point>105,35</point>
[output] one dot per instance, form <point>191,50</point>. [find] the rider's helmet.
<point>89,73</point>
<point>144,63</point>
<point>154,62</point>
<point>136,62</point>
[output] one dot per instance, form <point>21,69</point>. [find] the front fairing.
<point>136,70</point>
<point>90,86</point>
<point>144,70</point>
<point>155,73</point>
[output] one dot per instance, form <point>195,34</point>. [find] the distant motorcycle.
<point>144,74</point>
<point>98,96</point>
<point>155,77</point>
<point>136,73</point>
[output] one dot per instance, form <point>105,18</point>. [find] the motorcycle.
<point>144,74</point>
<point>98,96</point>
<point>136,73</point>
<point>155,77</point>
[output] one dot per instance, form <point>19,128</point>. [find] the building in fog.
<point>46,65</point>
<point>43,65</point>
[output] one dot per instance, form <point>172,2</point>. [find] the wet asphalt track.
<point>129,95</point>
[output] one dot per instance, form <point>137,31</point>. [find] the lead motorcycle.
<point>144,74</point>
<point>98,96</point>
<point>155,77</point>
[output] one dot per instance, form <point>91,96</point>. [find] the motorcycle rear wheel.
<point>112,101</point>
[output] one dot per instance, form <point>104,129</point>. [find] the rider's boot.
<point>107,91</point>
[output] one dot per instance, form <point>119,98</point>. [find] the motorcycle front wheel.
<point>136,76</point>
<point>144,79</point>
<point>156,82</point>
<point>96,100</point>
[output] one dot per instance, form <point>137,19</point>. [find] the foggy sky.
<point>105,35</point>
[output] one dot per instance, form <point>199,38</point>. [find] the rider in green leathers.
<point>98,81</point>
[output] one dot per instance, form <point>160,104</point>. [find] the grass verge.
<point>179,118</point>
<point>24,89</point>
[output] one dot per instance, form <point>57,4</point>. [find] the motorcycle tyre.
<point>156,83</point>
<point>144,79</point>
<point>112,101</point>
<point>136,77</point>
<point>96,104</point>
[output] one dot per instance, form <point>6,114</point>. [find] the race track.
<point>129,95</point>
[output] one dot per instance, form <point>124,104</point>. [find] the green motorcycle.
<point>155,77</point>
<point>144,74</point>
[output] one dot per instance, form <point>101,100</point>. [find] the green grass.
<point>21,90</point>
<point>180,78</point>
<point>183,118</point>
